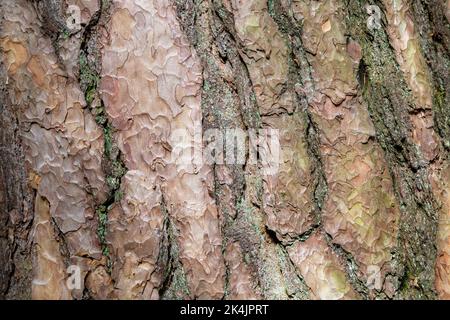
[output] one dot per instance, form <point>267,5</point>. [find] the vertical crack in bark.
<point>246,223</point>
<point>300,72</point>
<point>344,132</point>
<point>304,89</point>
<point>57,134</point>
<point>432,29</point>
<point>90,146</point>
<point>351,268</point>
<point>89,79</point>
<point>151,84</point>
<point>174,285</point>
<point>222,100</point>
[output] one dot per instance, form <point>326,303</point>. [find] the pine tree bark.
<point>92,174</point>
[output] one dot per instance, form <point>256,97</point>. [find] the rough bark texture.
<point>93,174</point>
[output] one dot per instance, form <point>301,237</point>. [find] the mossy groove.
<point>389,102</point>
<point>89,79</point>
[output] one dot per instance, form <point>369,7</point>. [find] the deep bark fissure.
<point>302,72</point>
<point>389,102</point>
<point>434,29</point>
<point>112,163</point>
<point>225,40</point>
<point>87,170</point>
<point>16,201</point>
<point>351,267</point>
<point>174,284</point>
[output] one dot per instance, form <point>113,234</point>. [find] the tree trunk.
<point>125,174</point>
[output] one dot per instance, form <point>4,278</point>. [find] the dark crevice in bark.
<point>434,30</point>
<point>192,16</point>
<point>52,15</point>
<point>210,29</point>
<point>351,268</point>
<point>93,24</point>
<point>308,233</point>
<point>389,101</point>
<point>16,202</point>
<point>59,236</point>
<point>229,45</point>
<point>227,280</point>
<point>89,79</point>
<point>165,261</point>
<point>300,72</point>
<point>321,188</point>
<point>295,286</point>
<point>174,284</point>
<point>293,283</point>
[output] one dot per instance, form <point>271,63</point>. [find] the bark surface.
<point>105,104</point>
